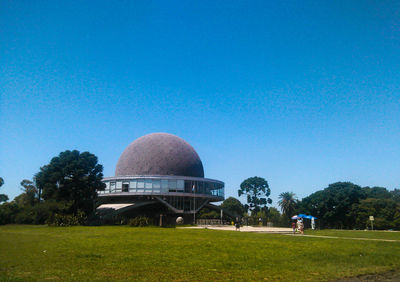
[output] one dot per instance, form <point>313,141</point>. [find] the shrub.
<point>139,221</point>
<point>67,219</point>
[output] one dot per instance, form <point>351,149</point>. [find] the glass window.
<point>148,184</point>
<point>125,186</point>
<point>172,184</point>
<point>180,185</point>
<point>112,187</point>
<point>164,185</point>
<point>140,183</point>
<point>156,183</point>
<point>133,184</point>
<point>118,188</point>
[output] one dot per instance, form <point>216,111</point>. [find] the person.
<point>237,225</point>
<point>313,223</point>
<point>300,226</point>
<point>294,227</point>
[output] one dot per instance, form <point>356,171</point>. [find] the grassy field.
<point>126,253</point>
<point>386,235</point>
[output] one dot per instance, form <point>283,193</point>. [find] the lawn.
<point>386,235</point>
<point>126,253</point>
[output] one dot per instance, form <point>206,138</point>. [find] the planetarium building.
<point>159,174</point>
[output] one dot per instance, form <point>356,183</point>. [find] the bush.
<point>139,221</point>
<point>67,219</point>
<point>8,212</point>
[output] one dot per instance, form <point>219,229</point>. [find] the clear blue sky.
<point>303,93</point>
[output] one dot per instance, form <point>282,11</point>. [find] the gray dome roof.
<point>159,154</point>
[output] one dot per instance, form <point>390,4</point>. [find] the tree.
<point>30,195</point>
<point>277,218</point>
<point>3,197</point>
<point>288,203</point>
<point>72,177</point>
<point>332,206</point>
<point>257,191</point>
<point>377,192</point>
<point>395,195</point>
<point>233,207</point>
<point>386,213</point>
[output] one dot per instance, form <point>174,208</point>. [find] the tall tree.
<point>72,177</point>
<point>257,191</point>
<point>288,203</point>
<point>3,197</point>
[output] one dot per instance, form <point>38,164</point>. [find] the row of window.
<point>164,186</point>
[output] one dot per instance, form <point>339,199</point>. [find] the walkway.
<point>261,229</point>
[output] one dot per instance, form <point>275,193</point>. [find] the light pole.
<point>194,204</point>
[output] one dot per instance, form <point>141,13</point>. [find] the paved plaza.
<point>262,229</point>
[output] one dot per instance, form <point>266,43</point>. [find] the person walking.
<point>294,227</point>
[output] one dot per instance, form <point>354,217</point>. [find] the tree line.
<point>64,192</point>
<point>341,205</point>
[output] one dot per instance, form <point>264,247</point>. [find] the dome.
<point>159,154</point>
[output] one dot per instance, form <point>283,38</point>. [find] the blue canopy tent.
<point>302,215</point>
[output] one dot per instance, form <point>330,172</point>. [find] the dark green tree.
<point>332,206</point>
<point>257,191</point>
<point>395,195</point>
<point>3,197</point>
<point>71,177</point>
<point>233,207</point>
<point>288,203</point>
<point>377,193</point>
<point>386,213</point>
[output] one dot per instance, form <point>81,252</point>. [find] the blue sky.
<point>303,93</point>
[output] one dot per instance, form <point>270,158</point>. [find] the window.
<point>180,185</point>
<point>125,187</point>
<point>132,186</point>
<point>172,185</point>
<point>156,185</point>
<point>200,187</point>
<point>164,185</point>
<point>140,185</point>
<point>112,187</point>
<point>188,186</point>
<point>148,185</point>
<point>119,186</point>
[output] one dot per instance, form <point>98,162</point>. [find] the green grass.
<point>126,253</point>
<point>387,235</point>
